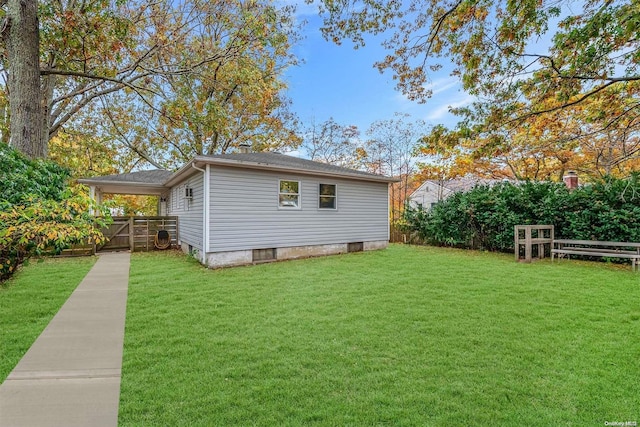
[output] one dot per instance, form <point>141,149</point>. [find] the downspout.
<point>205,207</point>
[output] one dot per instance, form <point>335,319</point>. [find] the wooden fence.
<point>137,233</point>
<point>397,235</point>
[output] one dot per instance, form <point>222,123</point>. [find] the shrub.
<point>39,212</point>
<point>485,217</point>
<point>22,179</point>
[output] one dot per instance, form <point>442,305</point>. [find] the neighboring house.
<point>241,208</point>
<point>431,192</point>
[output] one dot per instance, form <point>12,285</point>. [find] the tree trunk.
<point>25,98</point>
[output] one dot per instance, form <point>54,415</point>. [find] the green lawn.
<point>405,336</point>
<point>30,299</point>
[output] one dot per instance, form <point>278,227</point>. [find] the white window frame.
<point>299,194</point>
<point>335,197</point>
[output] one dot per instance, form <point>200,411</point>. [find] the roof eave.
<point>203,160</point>
<point>126,187</point>
<point>96,182</point>
<point>182,173</point>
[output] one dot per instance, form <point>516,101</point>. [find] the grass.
<point>30,299</point>
<point>405,336</point>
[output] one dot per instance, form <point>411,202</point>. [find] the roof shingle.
<point>156,176</point>
<point>282,160</point>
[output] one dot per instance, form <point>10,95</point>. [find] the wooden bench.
<point>565,247</point>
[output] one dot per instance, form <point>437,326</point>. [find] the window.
<point>327,196</point>
<point>289,194</point>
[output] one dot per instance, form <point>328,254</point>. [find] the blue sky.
<point>340,82</point>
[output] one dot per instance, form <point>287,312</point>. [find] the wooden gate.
<point>118,235</point>
<point>137,233</point>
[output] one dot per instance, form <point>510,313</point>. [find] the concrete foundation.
<point>311,251</point>
<point>245,257</point>
<point>190,250</point>
<point>228,259</point>
<point>375,245</point>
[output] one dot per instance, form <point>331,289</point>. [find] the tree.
<point>331,142</point>
<point>505,55</point>
<point>547,146</point>
<point>138,50</point>
<point>222,103</point>
<point>391,150</point>
<point>443,157</point>
<point>21,38</point>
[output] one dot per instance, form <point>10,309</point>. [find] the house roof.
<point>277,159</point>
<point>156,176</point>
<point>143,182</point>
<point>463,184</point>
<point>467,183</point>
<point>275,162</point>
<point>157,181</point>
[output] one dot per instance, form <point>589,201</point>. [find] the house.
<point>431,192</point>
<point>241,208</point>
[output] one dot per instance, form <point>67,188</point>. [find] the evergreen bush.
<point>484,217</point>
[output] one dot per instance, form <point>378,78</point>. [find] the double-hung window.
<point>289,194</point>
<point>327,196</point>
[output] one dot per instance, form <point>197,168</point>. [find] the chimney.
<point>244,148</point>
<point>571,180</point>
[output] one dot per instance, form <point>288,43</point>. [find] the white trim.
<point>206,200</point>
<point>388,213</point>
<point>205,214</point>
<point>299,194</point>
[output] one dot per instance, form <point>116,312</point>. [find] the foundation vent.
<point>261,255</point>
<point>355,247</point>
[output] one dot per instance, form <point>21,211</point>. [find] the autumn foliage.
<point>39,212</point>
<point>554,85</point>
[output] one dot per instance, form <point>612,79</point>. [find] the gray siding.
<point>189,213</point>
<point>428,194</point>
<point>245,213</point>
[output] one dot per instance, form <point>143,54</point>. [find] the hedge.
<point>484,217</point>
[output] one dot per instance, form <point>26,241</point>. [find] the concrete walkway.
<point>71,374</point>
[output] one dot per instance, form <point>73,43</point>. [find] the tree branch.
<point>125,139</point>
<point>563,105</point>
<point>124,83</point>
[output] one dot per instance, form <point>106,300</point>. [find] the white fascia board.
<point>262,166</point>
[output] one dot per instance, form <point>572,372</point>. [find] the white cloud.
<point>442,85</point>
<point>294,153</point>
<point>302,7</point>
<point>443,110</point>
<point>436,86</point>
